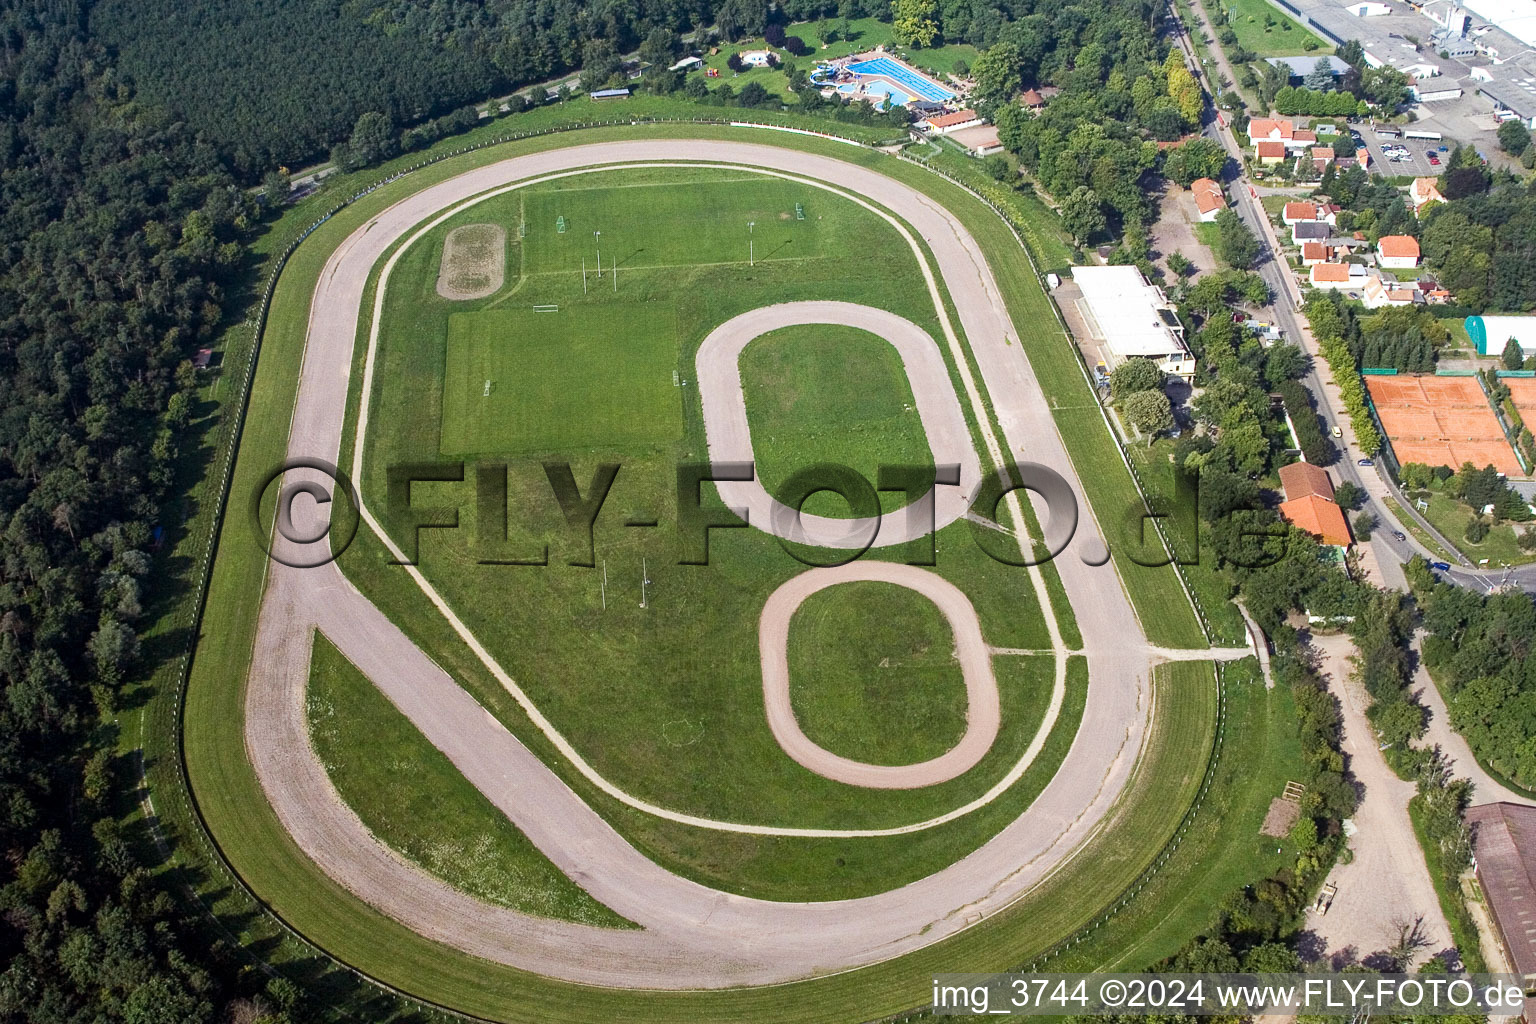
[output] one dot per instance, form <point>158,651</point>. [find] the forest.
<point>119,232</point>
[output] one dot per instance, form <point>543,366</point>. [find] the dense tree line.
<point>1482,651</point>
<point>1122,91</point>
<point>117,226</point>
<point>1482,242</point>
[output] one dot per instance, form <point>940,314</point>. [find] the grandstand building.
<point>1131,318</point>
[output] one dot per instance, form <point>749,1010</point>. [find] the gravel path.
<point>691,936</point>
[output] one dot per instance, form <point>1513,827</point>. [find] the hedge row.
<point>1345,374</point>
<point>1315,446</point>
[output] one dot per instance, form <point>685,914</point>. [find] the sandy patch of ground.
<point>474,262</point>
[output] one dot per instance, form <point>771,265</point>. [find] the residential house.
<point>1310,231</point>
<point>1336,276</point>
<point>1424,191</point>
<point>1322,156</point>
<point>1313,253</point>
<point>1397,252</point>
<point>1309,504</point>
<point>1209,198</point>
<point>1272,129</point>
<point>1270,152</point>
<point>1295,212</point>
<point>1378,293</point>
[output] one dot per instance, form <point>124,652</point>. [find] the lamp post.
<point>751,256</point>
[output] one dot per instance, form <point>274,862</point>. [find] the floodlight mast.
<point>751,256</point>
<point>598,237</point>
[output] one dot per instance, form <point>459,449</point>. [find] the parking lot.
<point>1391,156</point>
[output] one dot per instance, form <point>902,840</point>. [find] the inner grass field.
<point>873,674</point>
<point>439,820</point>
<point>666,701</point>
<point>824,393</point>
<point>729,217</point>
<point>523,382</point>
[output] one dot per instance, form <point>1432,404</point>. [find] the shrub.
<point>1477,530</point>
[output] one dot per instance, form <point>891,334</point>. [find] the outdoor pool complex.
<point>910,81</point>
<point>877,89</point>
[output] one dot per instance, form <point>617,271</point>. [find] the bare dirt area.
<point>1386,904</point>
<point>1174,231</point>
<point>474,262</point>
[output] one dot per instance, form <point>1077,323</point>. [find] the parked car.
<point>1440,566</point>
<point>1338,432</point>
<point>1365,462</point>
<point>1398,535</point>
<point>1434,161</point>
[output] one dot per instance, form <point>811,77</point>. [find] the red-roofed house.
<point>1398,252</point>
<point>1313,253</point>
<point>1295,212</point>
<point>1319,517</point>
<point>943,124</point>
<point>1209,198</point>
<point>1300,479</point>
<point>1424,191</point>
<point>1309,504</point>
<point>1270,152</point>
<point>1322,156</point>
<point>1270,128</point>
<point>1330,276</point>
<point>1378,293</point>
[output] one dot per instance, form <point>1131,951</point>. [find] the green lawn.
<point>414,800</point>
<point>883,689</point>
<point>1420,534</point>
<point>823,393</point>
<point>520,382</point>
<point>1266,30</point>
<point>292,888</point>
<point>1451,517</point>
<point>651,223</point>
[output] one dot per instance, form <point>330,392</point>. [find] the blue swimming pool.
<point>876,92</point>
<point>912,82</point>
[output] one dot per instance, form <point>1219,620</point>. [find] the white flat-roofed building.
<point>1132,318</point>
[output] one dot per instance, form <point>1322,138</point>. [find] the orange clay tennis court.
<point>1442,421</point>
<point>1522,391</point>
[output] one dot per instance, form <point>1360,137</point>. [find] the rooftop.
<point>947,120</point>
<point>1300,479</point>
<point>1134,317</point>
<point>1404,246</point>
<point>1504,843</point>
<point>1318,516</point>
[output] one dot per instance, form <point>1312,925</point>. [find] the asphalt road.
<point>690,936</point>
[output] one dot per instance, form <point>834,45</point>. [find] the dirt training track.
<point>730,435</point>
<point>690,936</point>
<point>983,712</point>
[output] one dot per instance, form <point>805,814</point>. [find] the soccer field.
<point>520,382</point>
<point>661,225</point>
